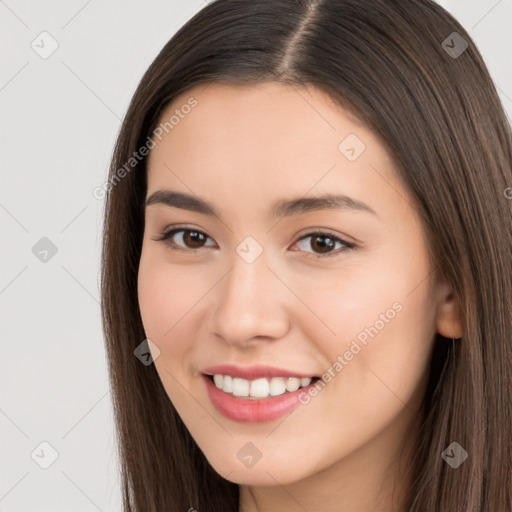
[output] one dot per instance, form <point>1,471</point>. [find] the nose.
<point>250,304</point>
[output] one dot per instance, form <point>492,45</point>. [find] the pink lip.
<point>253,411</point>
<point>252,372</point>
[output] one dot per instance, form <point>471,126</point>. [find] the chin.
<point>260,474</point>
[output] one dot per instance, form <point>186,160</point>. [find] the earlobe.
<point>448,321</point>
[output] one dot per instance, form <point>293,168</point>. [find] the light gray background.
<point>60,117</point>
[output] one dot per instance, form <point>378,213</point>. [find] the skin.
<point>242,149</point>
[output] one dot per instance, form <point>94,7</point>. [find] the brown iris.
<point>193,239</point>
<point>324,243</point>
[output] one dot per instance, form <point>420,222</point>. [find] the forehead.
<point>268,141</point>
<point>261,109</point>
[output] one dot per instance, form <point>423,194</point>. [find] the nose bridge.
<point>249,300</point>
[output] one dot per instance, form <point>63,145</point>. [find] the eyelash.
<point>166,236</point>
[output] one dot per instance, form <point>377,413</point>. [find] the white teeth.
<point>227,383</point>
<point>218,379</point>
<point>306,381</point>
<point>277,386</point>
<point>292,384</point>
<point>240,387</point>
<point>259,388</point>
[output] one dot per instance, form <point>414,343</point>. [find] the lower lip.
<point>253,411</point>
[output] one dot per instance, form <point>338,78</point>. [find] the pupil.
<point>193,238</point>
<point>324,246</point>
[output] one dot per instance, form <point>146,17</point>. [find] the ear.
<point>448,319</point>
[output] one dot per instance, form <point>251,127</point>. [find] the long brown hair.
<point>399,67</point>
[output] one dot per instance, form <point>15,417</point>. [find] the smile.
<point>256,409</point>
<point>259,388</point>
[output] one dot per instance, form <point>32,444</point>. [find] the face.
<point>263,283</point>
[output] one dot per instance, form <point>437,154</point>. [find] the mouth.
<point>259,400</point>
<point>260,388</point>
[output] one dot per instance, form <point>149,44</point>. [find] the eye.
<point>187,239</point>
<point>323,244</point>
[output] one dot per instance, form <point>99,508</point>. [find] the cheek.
<point>381,296</point>
<point>172,302</point>
<point>164,300</point>
<point>165,293</point>
<point>383,302</point>
<point>154,298</point>
<point>383,318</point>
<point>378,358</point>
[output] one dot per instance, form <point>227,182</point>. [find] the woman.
<point>307,247</point>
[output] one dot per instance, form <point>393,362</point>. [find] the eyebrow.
<point>283,208</point>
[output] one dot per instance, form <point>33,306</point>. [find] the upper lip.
<point>253,372</point>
